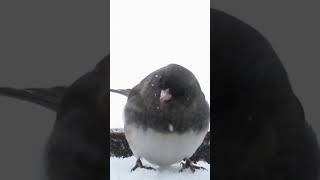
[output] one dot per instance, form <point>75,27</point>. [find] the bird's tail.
<point>124,92</point>
<point>47,97</point>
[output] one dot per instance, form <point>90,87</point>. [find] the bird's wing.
<point>47,97</point>
<point>124,92</point>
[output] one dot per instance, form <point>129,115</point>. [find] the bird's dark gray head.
<point>177,83</point>
<point>169,96</point>
<point>170,84</point>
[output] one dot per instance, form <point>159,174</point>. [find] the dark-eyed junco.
<point>76,149</point>
<point>260,131</point>
<point>166,117</point>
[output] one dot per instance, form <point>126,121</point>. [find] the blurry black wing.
<point>47,97</point>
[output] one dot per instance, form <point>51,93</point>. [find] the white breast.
<point>162,149</point>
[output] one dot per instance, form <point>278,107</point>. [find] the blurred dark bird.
<point>260,131</point>
<point>76,148</point>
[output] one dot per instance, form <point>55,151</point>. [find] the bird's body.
<point>166,116</point>
<point>260,131</point>
<point>162,149</point>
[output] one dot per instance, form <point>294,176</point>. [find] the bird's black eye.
<point>178,92</point>
<point>162,84</point>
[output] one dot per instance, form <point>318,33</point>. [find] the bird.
<point>259,125</point>
<point>76,148</point>
<point>166,118</point>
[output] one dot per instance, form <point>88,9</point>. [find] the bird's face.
<point>168,87</point>
<point>176,83</point>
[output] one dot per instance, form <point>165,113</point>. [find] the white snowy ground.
<point>120,170</point>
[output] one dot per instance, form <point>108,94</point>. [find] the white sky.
<point>146,35</point>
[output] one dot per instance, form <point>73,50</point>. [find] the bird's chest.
<point>162,149</point>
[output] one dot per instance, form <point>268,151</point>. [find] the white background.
<point>146,35</point>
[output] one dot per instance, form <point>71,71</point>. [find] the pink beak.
<point>165,95</point>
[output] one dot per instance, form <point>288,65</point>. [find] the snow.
<point>120,170</point>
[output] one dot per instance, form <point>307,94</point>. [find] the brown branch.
<point>119,146</point>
